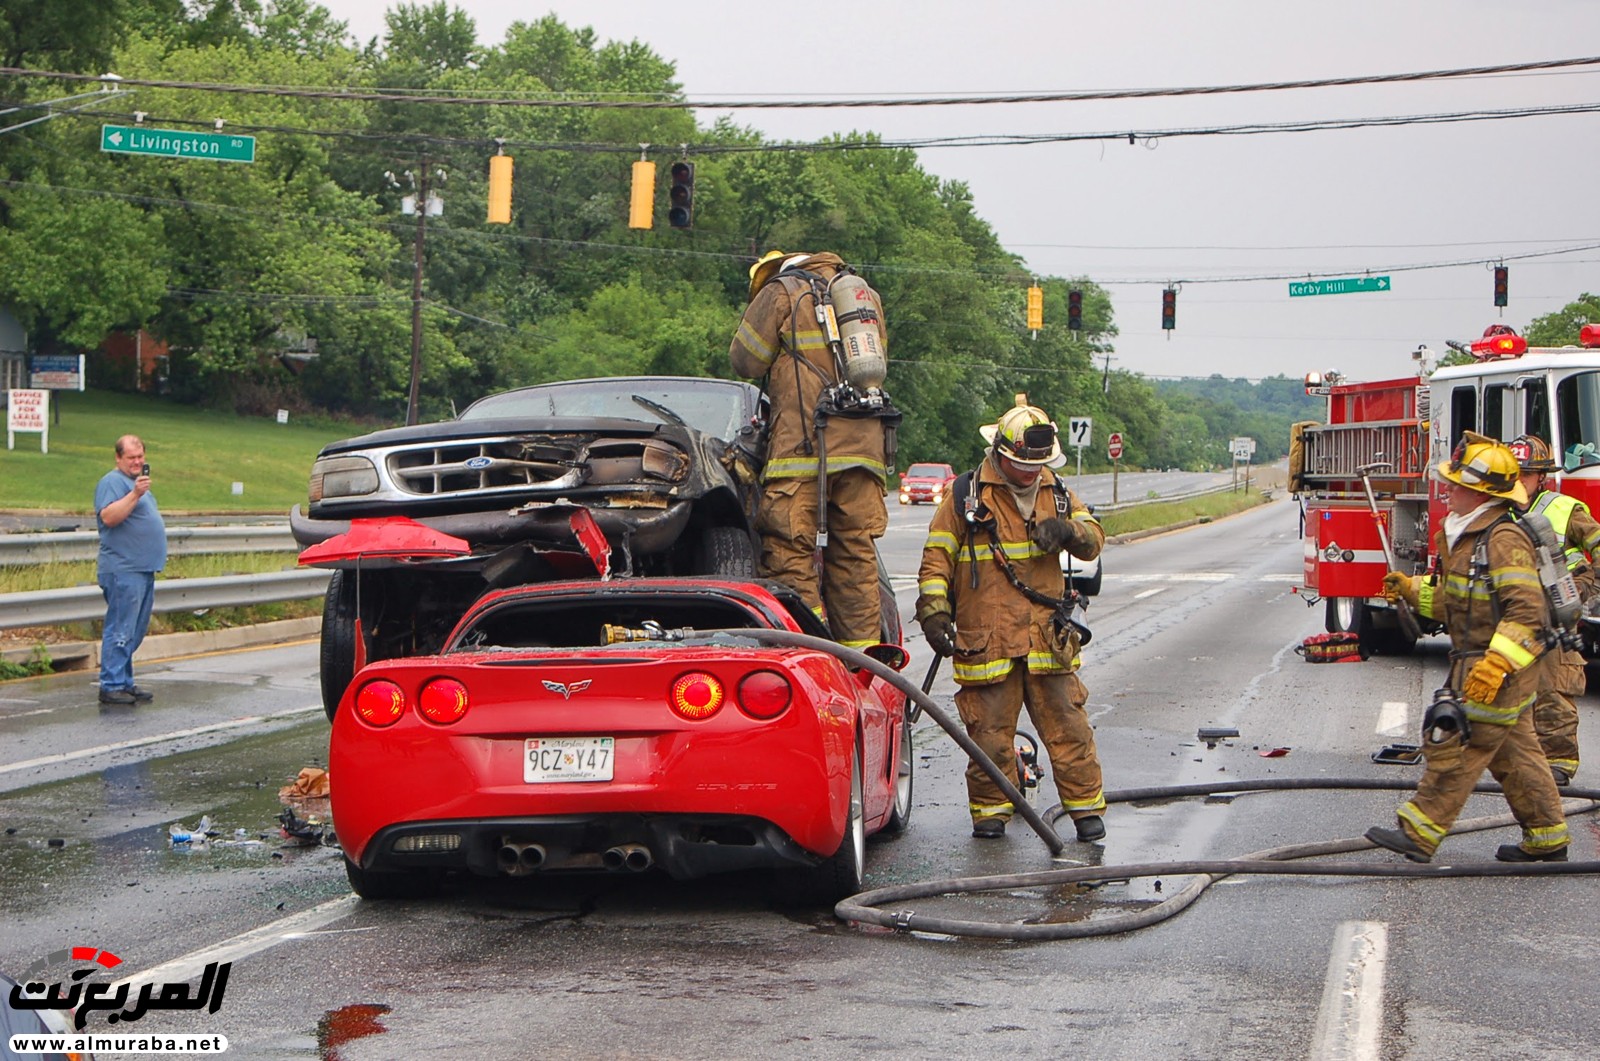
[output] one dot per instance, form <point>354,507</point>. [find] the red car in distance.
<point>925,483</point>
<point>584,726</point>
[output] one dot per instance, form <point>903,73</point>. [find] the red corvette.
<point>590,726</point>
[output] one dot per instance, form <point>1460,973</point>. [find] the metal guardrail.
<point>19,550</point>
<point>1122,506</point>
<point>85,603</point>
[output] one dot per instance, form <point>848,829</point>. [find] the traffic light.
<point>1169,308</point>
<point>1035,307</point>
<point>680,196</point>
<point>642,201</point>
<point>1075,310</point>
<point>500,190</point>
<point>1502,278</point>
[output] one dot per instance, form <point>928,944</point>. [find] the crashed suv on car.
<point>582,478</point>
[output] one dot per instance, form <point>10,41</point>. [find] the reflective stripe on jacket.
<point>1575,526</point>
<point>781,321</point>
<point>1467,602</point>
<point>995,624</point>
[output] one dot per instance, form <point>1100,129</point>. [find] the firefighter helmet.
<point>1483,464</point>
<point>769,265</point>
<point>1025,435</point>
<point>1533,454</point>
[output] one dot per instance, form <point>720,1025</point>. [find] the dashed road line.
<point>1350,1020</point>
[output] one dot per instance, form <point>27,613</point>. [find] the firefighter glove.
<point>1054,534</point>
<point>1484,679</point>
<point>941,633</point>
<point>1398,587</point>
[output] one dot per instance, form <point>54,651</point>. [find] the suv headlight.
<point>342,477</point>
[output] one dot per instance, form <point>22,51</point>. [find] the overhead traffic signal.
<point>500,190</point>
<point>680,196</point>
<point>1075,310</point>
<point>642,201</point>
<point>1035,307</point>
<point>1502,279</point>
<point>1169,308</point>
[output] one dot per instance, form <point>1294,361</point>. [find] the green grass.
<point>1166,513</point>
<point>196,455</point>
<point>27,578</point>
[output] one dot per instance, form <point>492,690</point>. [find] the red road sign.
<point>1114,445</point>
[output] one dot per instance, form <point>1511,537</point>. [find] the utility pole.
<point>422,204</point>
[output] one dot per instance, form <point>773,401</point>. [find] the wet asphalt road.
<point>1192,629</point>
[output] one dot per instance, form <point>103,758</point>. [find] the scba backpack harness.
<point>1065,611</point>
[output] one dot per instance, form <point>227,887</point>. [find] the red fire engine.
<point>1363,476</point>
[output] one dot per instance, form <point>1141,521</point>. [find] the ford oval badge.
<point>479,462</point>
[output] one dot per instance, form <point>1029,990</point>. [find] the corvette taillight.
<point>696,695</point>
<point>380,703</point>
<point>765,694</point>
<point>443,700</point>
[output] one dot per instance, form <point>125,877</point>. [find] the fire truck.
<point>1368,501</point>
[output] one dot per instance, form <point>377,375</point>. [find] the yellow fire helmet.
<point>768,265</point>
<point>1486,465</point>
<point>1024,434</point>
<point>1532,453</point>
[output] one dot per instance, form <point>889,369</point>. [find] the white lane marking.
<point>1350,1020</point>
<point>1177,576</point>
<point>1392,718</point>
<point>1280,578</point>
<point>1142,594</point>
<point>295,926</point>
<point>140,742</point>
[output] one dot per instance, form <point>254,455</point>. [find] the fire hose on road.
<point>864,907</point>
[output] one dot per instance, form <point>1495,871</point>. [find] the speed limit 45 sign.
<point>1114,445</point>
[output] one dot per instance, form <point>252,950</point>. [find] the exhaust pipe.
<point>515,859</point>
<point>635,857</point>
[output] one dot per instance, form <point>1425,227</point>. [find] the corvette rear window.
<point>559,624</point>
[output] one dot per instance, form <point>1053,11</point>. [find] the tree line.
<point>246,269</point>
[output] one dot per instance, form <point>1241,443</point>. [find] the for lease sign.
<point>28,410</point>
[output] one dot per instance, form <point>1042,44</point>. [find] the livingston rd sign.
<point>1347,286</point>
<point>137,140</point>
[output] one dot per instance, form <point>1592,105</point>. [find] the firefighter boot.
<point>988,828</point>
<point>1090,827</point>
<point>1515,853</point>
<point>1397,840</point>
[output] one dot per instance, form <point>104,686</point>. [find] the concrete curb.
<point>85,655</point>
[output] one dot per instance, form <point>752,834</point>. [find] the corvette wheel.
<point>337,661</point>
<point>376,886</point>
<point>842,875</point>
<point>900,813</point>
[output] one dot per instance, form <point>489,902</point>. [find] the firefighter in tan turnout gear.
<point>991,594</point>
<point>803,341</point>
<point>1555,714</point>
<point>1488,594</point>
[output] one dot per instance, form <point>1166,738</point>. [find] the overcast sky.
<point>1193,209</point>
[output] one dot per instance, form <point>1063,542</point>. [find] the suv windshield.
<point>714,407</point>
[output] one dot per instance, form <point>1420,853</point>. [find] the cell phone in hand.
<point>145,471</point>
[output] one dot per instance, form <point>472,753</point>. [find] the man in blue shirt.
<point>133,547</point>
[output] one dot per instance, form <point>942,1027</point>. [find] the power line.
<point>792,104</point>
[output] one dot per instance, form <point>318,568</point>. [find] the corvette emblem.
<point>566,691</point>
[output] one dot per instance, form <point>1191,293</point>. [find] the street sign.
<point>1080,431</point>
<point>173,143</point>
<point>1243,448</point>
<point>1114,445</point>
<point>1348,286</point>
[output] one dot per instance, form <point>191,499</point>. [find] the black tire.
<point>904,784</point>
<point>379,887</point>
<point>337,660</point>
<point>842,875</point>
<point>726,551</point>
<point>1345,615</point>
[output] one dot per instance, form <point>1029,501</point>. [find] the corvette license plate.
<point>553,759</point>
